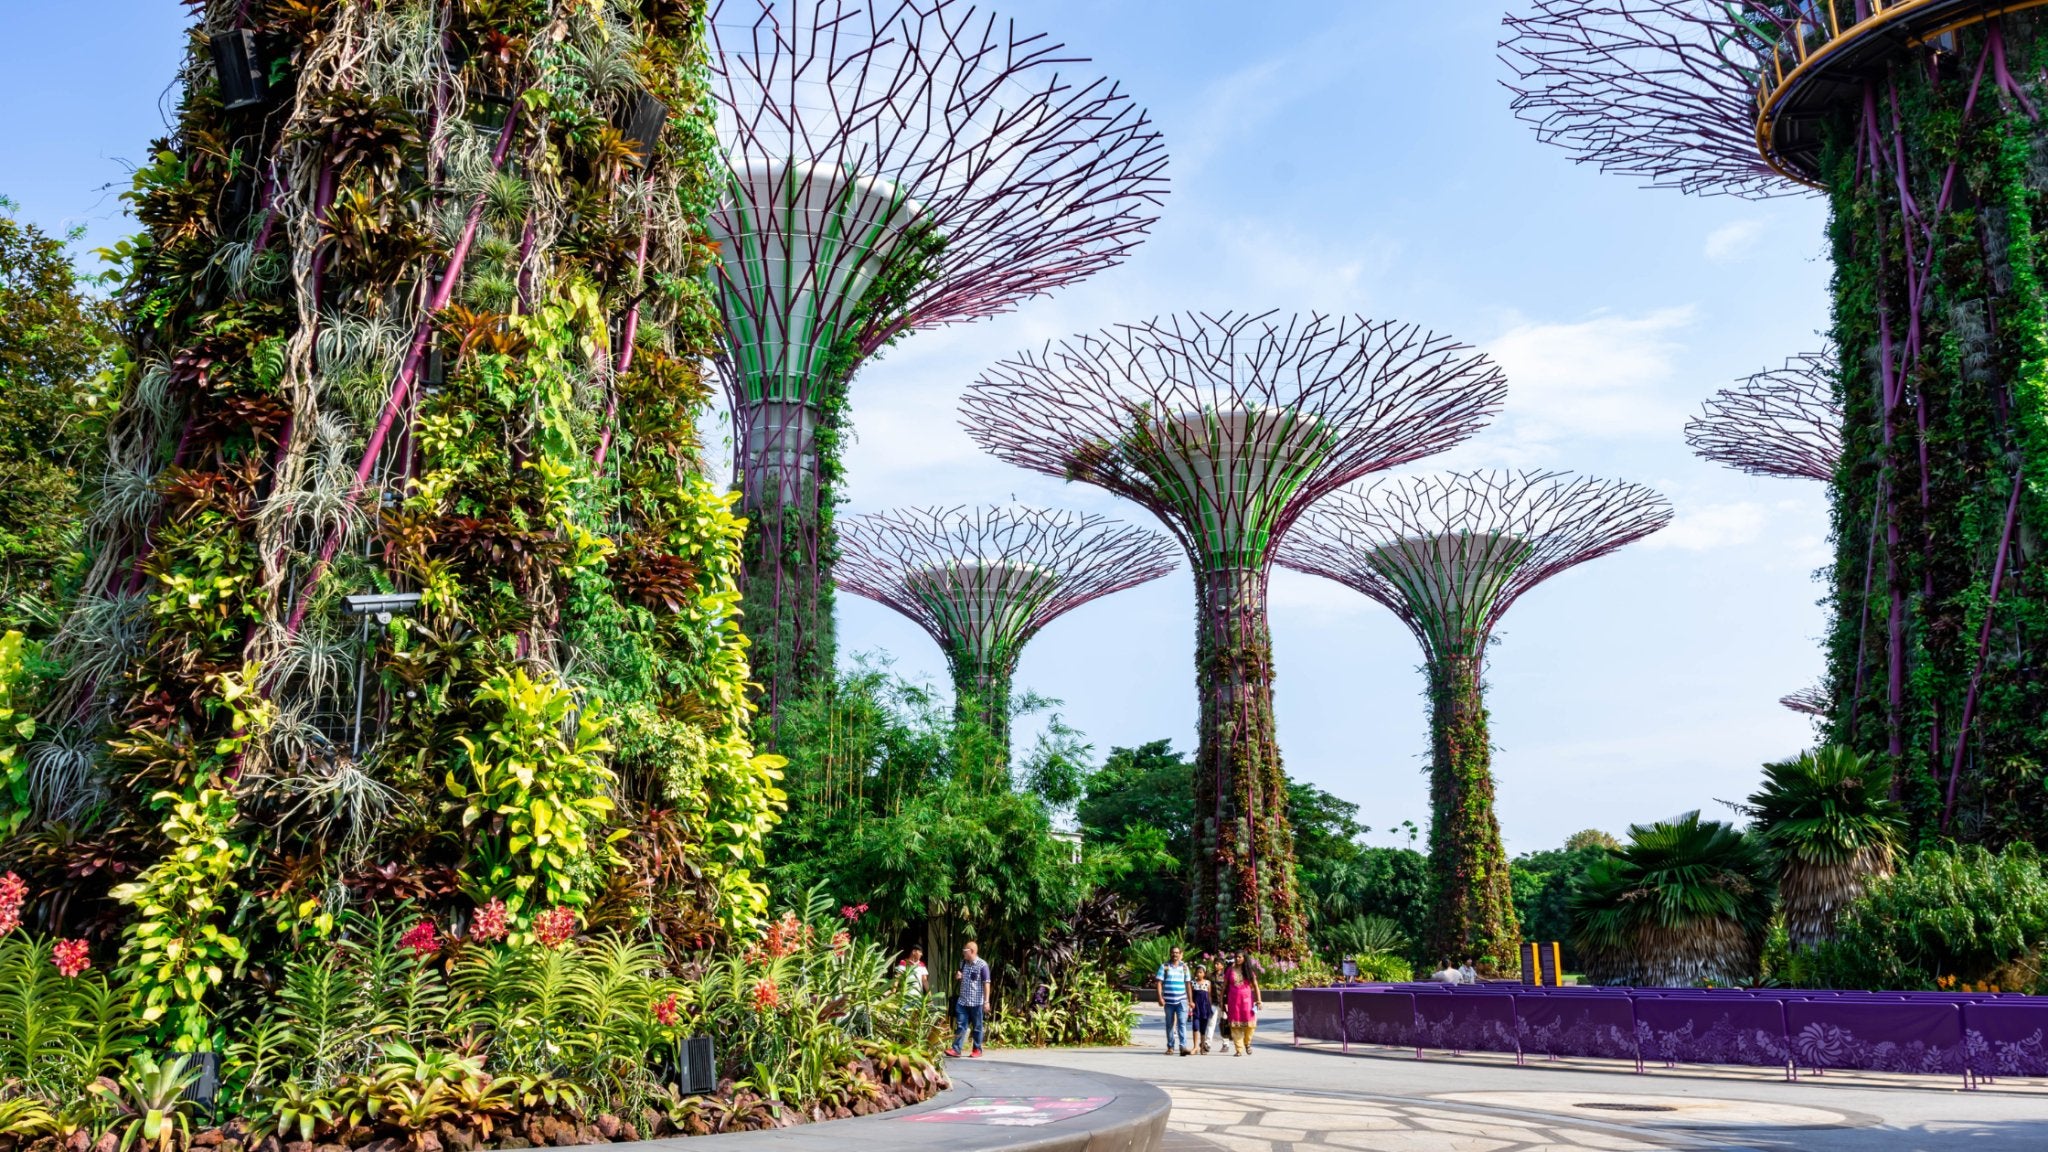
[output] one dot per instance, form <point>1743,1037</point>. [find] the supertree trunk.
<point>981,695</point>
<point>1935,182</point>
<point>790,544</point>
<point>1474,909</point>
<point>1244,888</point>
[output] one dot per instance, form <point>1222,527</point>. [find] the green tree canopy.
<point>56,343</point>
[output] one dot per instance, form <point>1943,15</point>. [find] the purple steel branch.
<point>1812,700</point>
<point>1385,394</point>
<point>1084,557</point>
<point>1032,179</point>
<point>1662,90</point>
<point>1450,554</point>
<point>1783,422</point>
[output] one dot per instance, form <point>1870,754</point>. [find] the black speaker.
<point>643,119</point>
<point>239,69</point>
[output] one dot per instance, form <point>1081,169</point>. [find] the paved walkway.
<point>1284,1098</point>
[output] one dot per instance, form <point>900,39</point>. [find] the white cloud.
<point>1733,241</point>
<point>1608,377</point>
<point>1711,526</point>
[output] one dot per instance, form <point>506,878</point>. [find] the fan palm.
<point>1830,826</point>
<point>1686,901</point>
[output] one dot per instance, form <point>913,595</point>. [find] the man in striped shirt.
<point>1171,983</point>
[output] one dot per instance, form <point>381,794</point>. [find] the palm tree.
<point>1685,902</point>
<point>1831,828</point>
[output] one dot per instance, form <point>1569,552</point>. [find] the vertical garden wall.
<point>1935,181</point>
<point>406,582</point>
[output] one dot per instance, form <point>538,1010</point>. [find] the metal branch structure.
<point>1449,555</point>
<point>1811,700</point>
<point>1782,422</point>
<point>1658,90</point>
<point>892,167</point>
<point>1226,427</point>
<point>983,581</point>
<point>1921,121</point>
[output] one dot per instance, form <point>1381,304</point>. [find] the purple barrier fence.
<point>1971,1034</point>
<point>1554,1026</point>
<point>1318,1014</point>
<point>1876,1036</point>
<point>1386,1017</point>
<point>2006,1039</point>
<point>1711,1030</point>
<point>1465,1023</point>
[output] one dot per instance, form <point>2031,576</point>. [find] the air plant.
<point>343,802</point>
<point>102,637</point>
<point>129,496</point>
<point>63,776</point>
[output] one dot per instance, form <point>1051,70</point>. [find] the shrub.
<point>1383,967</point>
<point>1950,916</point>
<point>1686,901</point>
<point>1085,1009</point>
<point>1143,960</point>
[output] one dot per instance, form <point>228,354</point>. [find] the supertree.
<point>1227,427</point>
<point>1781,422</point>
<point>360,606</point>
<point>1919,122</point>
<point>892,167</point>
<point>1449,555</point>
<point>983,581</point>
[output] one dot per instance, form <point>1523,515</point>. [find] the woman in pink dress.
<point>1241,1003</point>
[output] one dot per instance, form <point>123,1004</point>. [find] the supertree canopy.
<point>983,581</point>
<point>1783,422</point>
<point>1227,427</point>
<point>1449,555</point>
<point>891,167</point>
<point>1920,123</point>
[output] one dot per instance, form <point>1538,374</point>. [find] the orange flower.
<point>766,995</point>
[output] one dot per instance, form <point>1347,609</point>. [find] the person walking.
<point>970,1012</point>
<point>1171,983</point>
<point>1241,1003</point>
<point>1204,1020</point>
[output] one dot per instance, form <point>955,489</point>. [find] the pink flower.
<point>766,995</point>
<point>13,894</point>
<point>490,923</point>
<point>853,912</point>
<point>421,940</point>
<point>669,1012</point>
<point>555,927</point>
<point>70,956</point>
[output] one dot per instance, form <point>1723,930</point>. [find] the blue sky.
<point>1340,157</point>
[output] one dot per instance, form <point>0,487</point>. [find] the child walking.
<point>1205,1008</point>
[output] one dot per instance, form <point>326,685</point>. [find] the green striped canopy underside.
<point>1229,475</point>
<point>987,608</point>
<point>1451,584</point>
<point>800,244</point>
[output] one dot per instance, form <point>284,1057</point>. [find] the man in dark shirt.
<point>970,1013</point>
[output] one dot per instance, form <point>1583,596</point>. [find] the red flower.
<point>421,940</point>
<point>766,995</point>
<point>555,927</point>
<point>70,956</point>
<point>669,1012</point>
<point>853,912</point>
<point>490,922</point>
<point>13,894</point>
